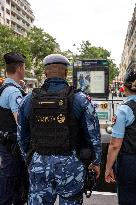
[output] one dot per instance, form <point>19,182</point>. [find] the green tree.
<point>9,42</point>
<point>21,44</point>
<point>35,46</point>
<point>41,45</point>
<point>87,51</point>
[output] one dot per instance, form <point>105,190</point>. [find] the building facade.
<point>17,14</point>
<point>129,52</point>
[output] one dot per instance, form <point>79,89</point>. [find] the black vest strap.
<point>129,142</point>
<point>8,124</point>
<point>132,105</point>
<point>4,86</point>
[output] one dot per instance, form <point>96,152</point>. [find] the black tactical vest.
<point>7,120</point>
<point>129,142</point>
<point>54,129</point>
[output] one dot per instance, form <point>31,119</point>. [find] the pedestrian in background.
<point>121,90</point>
<point>122,148</point>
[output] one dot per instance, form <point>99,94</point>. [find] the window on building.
<point>8,1</point>
<point>7,11</point>
<point>18,9</point>
<point>12,24</point>
<point>18,27</point>
<point>2,8</point>
<point>8,21</point>
<point>23,14</point>
<point>21,4</point>
<point>12,14</point>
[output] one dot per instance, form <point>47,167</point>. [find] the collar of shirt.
<point>10,80</point>
<point>132,97</point>
<point>55,84</point>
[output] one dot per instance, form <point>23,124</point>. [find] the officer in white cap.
<point>55,59</point>
<point>50,121</point>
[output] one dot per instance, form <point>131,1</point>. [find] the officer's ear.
<point>20,67</point>
<point>46,72</point>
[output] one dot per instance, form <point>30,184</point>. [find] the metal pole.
<point>113,105</point>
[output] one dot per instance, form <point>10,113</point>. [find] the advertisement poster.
<point>84,81</point>
<point>97,82</point>
<point>91,81</point>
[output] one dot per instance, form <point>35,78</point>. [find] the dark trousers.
<point>8,193</point>
<point>10,179</point>
<point>126,179</point>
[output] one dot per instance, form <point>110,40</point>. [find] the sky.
<point>103,22</point>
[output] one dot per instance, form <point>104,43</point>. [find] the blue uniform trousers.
<point>56,175</point>
<point>126,179</point>
<point>10,179</point>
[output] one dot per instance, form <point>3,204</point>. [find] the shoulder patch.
<point>114,119</point>
<point>19,100</point>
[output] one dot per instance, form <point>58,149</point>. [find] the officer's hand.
<point>96,169</point>
<point>109,176</point>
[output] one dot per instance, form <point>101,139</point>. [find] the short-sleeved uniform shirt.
<point>11,97</point>
<point>124,118</point>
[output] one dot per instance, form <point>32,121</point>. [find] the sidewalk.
<point>100,198</point>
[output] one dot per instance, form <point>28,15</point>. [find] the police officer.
<point>11,96</point>
<point>123,143</point>
<point>50,121</point>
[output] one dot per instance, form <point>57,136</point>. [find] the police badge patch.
<point>19,100</point>
<point>114,119</point>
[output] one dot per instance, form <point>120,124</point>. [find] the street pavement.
<point>99,198</point>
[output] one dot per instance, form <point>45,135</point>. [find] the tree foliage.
<point>35,46</point>
<point>38,44</point>
<point>41,45</point>
<point>9,42</point>
<point>87,51</point>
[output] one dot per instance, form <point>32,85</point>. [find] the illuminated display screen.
<point>91,81</point>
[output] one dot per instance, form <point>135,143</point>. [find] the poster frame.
<point>93,67</point>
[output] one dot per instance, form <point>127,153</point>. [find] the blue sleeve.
<point>124,117</point>
<point>23,125</point>
<point>15,99</point>
<point>90,124</point>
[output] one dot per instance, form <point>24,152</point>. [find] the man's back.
<point>62,173</point>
